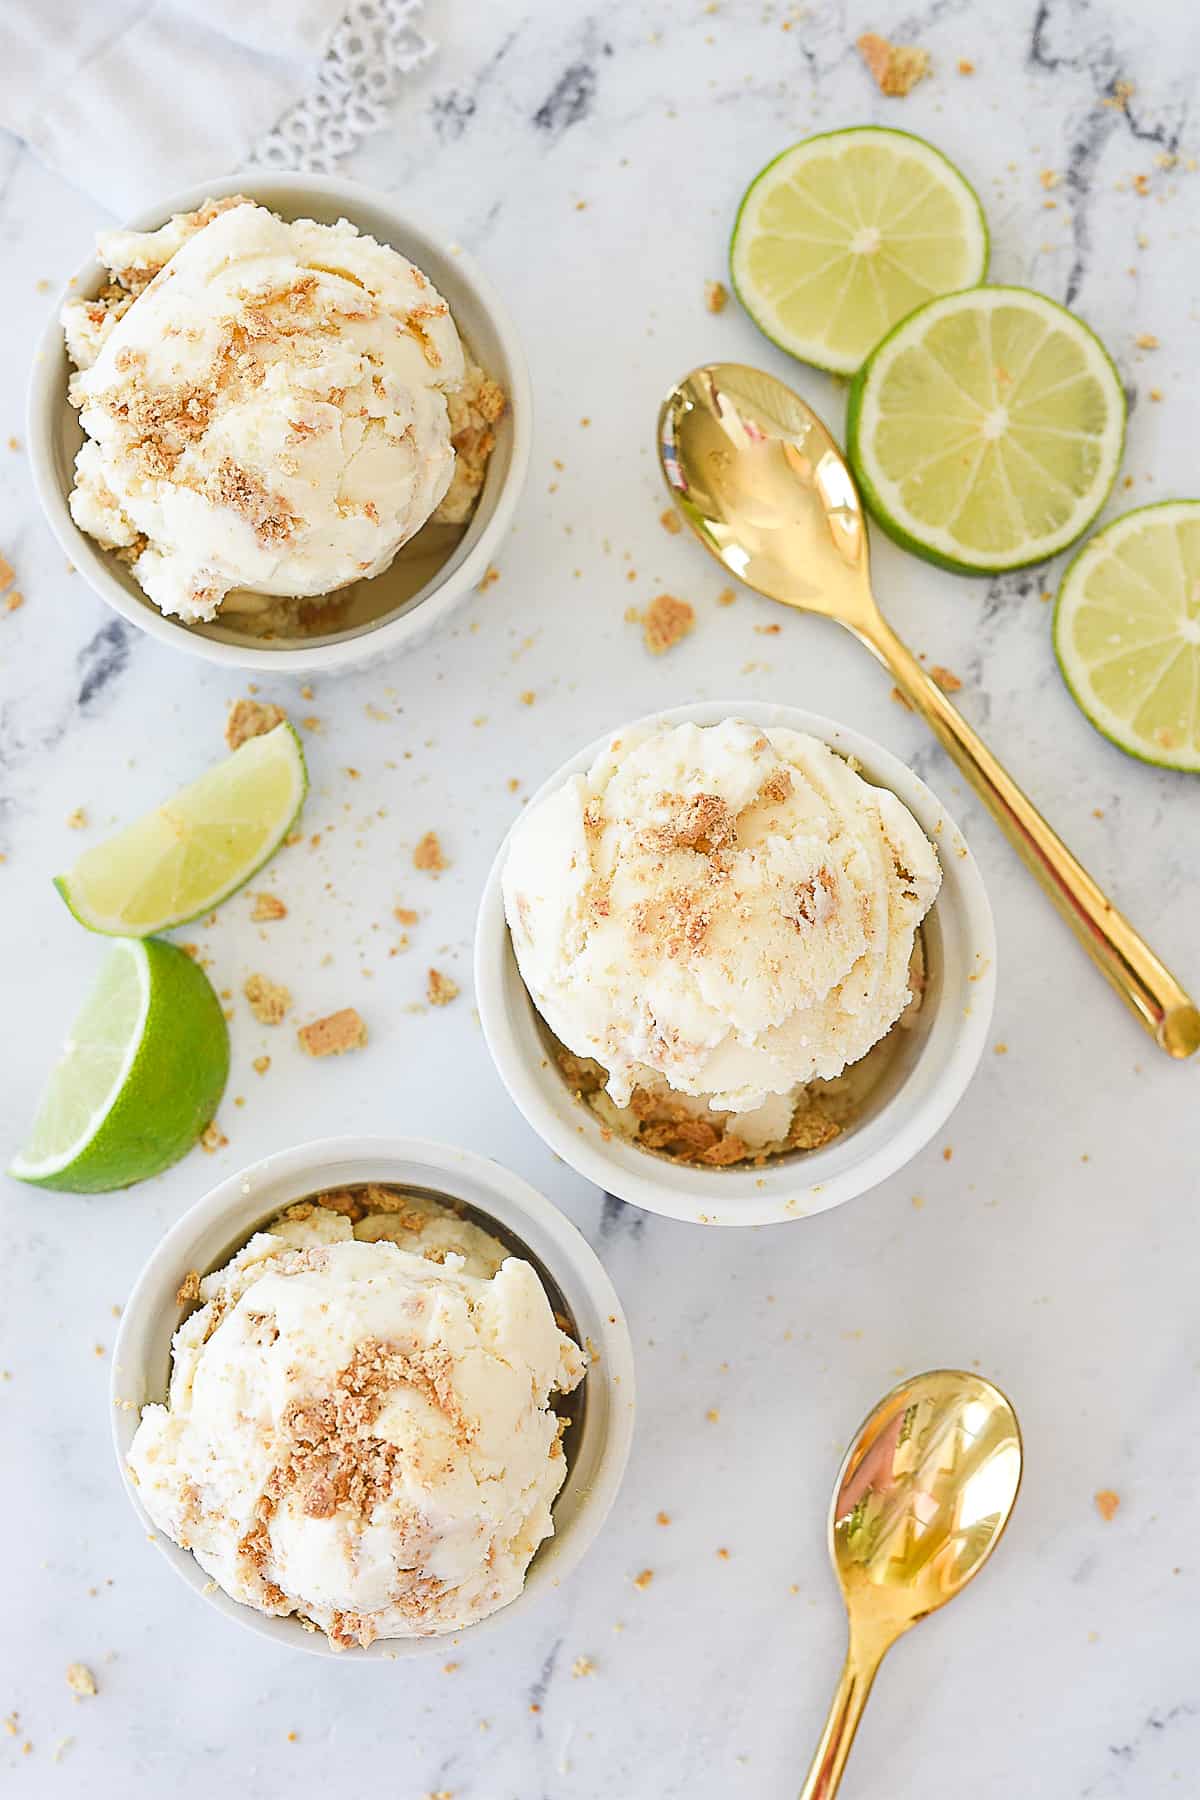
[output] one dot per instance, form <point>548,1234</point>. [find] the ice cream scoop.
<point>265,402</point>
<point>359,1432</point>
<point>727,909</point>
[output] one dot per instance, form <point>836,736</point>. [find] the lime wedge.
<point>138,1079</point>
<point>847,232</point>
<point>986,429</point>
<point>1127,632</point>
<point>188,855</point>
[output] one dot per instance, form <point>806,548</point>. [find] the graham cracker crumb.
<point>15,601</point>
<point>666,622</point>
<point>490,574</point>
<point>1107,1503</point>
<point>267,906</point>
<point>1048,178</point>
<point>965,66</point>
<point>716,296</point>
<point>726,597</point>
<point>662,1518</point>
<point>528,697</point>
<point>583,1665</point>
<point>713,1415</point>
<point>250,719</point>
<point>333,1035</point>
<point>269,1001</point>
<point>1122,93</point>
<point>1146,340</point>
<point>80,1680</point>
<point>261,1064</point>
<point>643,1580</point>
<point>946,679</point>
<point>212,1139</point>
<point>1000,1049</point>
<point>669,520</point>
<point>896,68</point>
<point>188,1289</point>
<point>7,574</point>
<point>77,819</point>
<point>429,854</point>
<point>440,990</point>
<point>406,915</point>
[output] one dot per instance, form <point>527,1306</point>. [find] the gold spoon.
<point>920,1504</point>
<point>767,491</point>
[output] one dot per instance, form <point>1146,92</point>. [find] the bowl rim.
<point>238,1204</point>
<point>778,1193</point>
<point>44,396</point>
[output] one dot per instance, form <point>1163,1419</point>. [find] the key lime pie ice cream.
<point>720,926</point>
<point>272,408</point>
<point>359,1428</point>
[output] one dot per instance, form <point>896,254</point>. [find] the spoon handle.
<point>845,1711</point>
<point>1119,952</point>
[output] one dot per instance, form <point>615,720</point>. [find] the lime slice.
<point>139,1077</point>
<point>188,855</point>
<point>1127,632</point>
<point>986,430</point>
<point>844,234</point>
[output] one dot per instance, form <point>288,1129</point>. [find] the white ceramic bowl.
<point>54,437</point>
<point>905,1112</point>
<point>207,1236</point>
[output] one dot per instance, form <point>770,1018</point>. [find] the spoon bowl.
<point>920,1503</point>
<point>762,483</point>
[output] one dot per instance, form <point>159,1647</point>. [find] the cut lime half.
<point>1127,632</point>
<point>845,233</point>
<point>139,1077</point>
<point>189,854</point>
<point>986,431</point>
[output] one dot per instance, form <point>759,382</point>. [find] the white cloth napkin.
<point>132,101</point>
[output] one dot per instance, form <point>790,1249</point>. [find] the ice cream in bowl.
<point>735,964</point>
<point>277,420</point>
<point>371,1395</point>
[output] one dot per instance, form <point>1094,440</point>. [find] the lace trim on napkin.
<point>375,46</point>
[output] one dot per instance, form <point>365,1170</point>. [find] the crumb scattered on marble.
<point>716,296</point>
<point>333,1035</point>
<point>669,520</point>
<point>249,719</point>
<point>261,1064</point>
<point>490,575</point>
<point>1000,1049</point>
<point>212,1138</point>
<point>726,597</point>
<point>965,66</point>
<point>666,622</point>
<point>1146,340</point>
<point>267,906</point>
<point>429,855</point>
<point>643,1580</point>
<point>1107,1503</point>
<point>583,1665</point>
<point>662,1518</point>
<point>902,699</point>
<point>713,1415</point>
<point>81,1681</point>
<point>946,679</point>
<point>77,819</point>
<point>270,1002</point>
<point>895,68</point>
<point>440,990</point>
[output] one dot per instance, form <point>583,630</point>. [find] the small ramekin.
<point>947,1042</point>
<point>207,1236</point>
<point>54,434</point>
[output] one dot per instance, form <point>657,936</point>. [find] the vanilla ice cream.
<point>358,1428</point>
<point>721,914</point>
<point>270,406</point>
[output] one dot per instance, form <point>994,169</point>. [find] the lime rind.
<point>280,744</point>
<point>977,243</point>
<point>1075,670</point>
<point>163,1090</point>
<point>883,505</point>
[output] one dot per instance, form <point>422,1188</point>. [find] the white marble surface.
<point>593,161</point>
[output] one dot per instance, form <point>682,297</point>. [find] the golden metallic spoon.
<point>920,1503</point>
<point>767,491</point>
